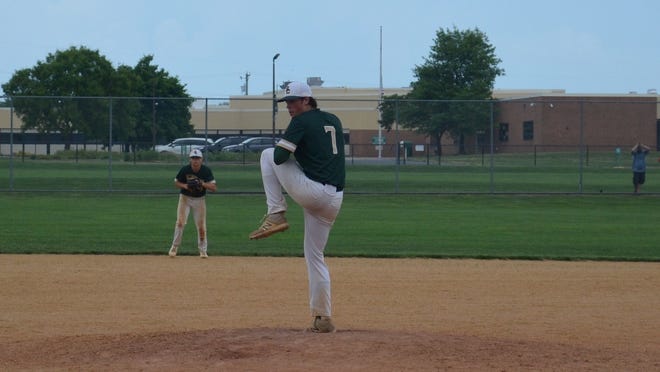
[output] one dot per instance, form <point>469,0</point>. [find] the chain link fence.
<point>532,145</point>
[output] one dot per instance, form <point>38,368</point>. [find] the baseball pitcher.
<point>315,180</point>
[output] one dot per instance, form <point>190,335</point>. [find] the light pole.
<point>274,98</point>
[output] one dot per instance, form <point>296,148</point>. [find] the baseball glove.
<point>195,184</point>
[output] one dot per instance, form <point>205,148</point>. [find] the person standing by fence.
<point>639,152</point>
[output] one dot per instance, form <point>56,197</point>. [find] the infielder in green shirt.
<point>193,180</point>
<point>315,180</point>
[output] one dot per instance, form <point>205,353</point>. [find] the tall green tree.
<point>125,109</point>
<point>67,80</point>
<point>460,70</point>
<point>71,91</point>
<point>166,114</point>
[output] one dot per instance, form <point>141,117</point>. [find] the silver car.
<point>184,145</point>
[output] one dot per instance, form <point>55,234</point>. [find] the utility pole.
<point>244,87</point>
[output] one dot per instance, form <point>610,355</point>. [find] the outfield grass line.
<point>486,226</point>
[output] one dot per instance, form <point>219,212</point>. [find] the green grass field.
<point>558,227</point>
<point>511,173</point>
<point>60,206</point>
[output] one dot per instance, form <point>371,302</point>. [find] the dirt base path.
<point>63,312</point>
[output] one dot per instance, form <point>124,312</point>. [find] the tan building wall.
<point>356,108</point>
<point>608,119</point>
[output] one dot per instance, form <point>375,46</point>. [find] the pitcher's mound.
<point>265,349</point>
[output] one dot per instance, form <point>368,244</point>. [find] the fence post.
<point>110,145</point>
<point>11,146</point>
<point>206,115</point>
<point>428,153</point>
<point>587,150</point>
<point>492,147</point>
<point>396,145</point>
<point>581,146</point>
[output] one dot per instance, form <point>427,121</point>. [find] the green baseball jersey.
<point>316,139</point>
<point>186,173</point>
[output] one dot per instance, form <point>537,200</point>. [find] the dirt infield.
<point>63,312</point>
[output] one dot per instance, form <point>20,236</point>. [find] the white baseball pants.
<point>321,204</point>
<point>198,206</point>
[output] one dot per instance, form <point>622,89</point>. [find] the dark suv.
<point>223,142</point>
<point>254,144</point>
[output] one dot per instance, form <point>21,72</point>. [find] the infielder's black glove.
<point>195,184</point>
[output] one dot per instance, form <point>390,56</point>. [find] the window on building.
<point>528,130</point>
<point>504,132</point>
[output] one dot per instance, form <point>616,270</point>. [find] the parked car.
<point>223,142</point>
<point>183,145</point>
<point>254,144</point>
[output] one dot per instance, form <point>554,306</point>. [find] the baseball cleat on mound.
<point>322,324</point>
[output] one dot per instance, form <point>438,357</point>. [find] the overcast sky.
<point>582,46</point>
